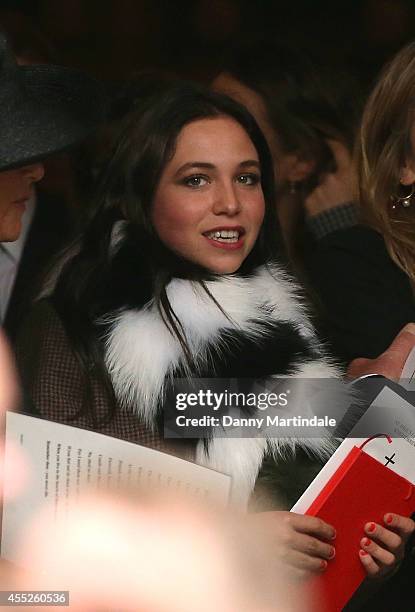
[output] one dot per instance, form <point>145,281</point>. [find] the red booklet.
<point>362,490</point>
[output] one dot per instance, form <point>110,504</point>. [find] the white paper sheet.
<point>64,460</point>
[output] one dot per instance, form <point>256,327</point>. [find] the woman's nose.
<point>227,200</point>
<point>34,172</point>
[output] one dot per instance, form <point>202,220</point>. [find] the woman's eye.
<point>195,181</point>
<point>248,179</point>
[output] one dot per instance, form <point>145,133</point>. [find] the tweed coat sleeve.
<point>50,373</point>
<point>55,382</point>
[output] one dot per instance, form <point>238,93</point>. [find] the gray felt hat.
<point>43,109</point>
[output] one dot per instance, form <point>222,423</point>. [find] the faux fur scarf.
<point>266,332</point>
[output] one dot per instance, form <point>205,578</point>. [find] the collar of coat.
<point>142,356</point>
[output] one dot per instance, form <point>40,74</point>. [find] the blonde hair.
<point>383,147</point>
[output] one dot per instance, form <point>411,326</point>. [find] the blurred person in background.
<point>49,218</point>
<point>365,274</point>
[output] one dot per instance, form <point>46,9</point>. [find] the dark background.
<point>113,38</point>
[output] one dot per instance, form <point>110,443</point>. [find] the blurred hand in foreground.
<point>153,556</point>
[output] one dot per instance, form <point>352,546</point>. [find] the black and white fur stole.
<point>267,332</point>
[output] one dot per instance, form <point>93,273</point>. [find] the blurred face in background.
<point>16,188</point>
<point>289,167</point>
<point>209,205</point>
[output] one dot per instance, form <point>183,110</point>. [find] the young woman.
<point>177,275</point>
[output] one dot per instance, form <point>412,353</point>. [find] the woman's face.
<point>209,205</point>
<point>16,188</point>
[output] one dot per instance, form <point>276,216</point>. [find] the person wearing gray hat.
<point>44,109</point>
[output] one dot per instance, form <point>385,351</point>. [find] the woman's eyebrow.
<point>250,162</point>
<point>195,164</point>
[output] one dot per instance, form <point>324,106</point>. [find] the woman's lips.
<point>232,246</point>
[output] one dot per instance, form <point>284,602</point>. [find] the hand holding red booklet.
<point>361,490</point>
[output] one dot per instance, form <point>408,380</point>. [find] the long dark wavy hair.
<point>108,274</point>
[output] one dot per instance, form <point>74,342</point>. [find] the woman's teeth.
<point>224,235</point>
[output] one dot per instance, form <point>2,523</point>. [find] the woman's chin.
<point>224,267</point>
